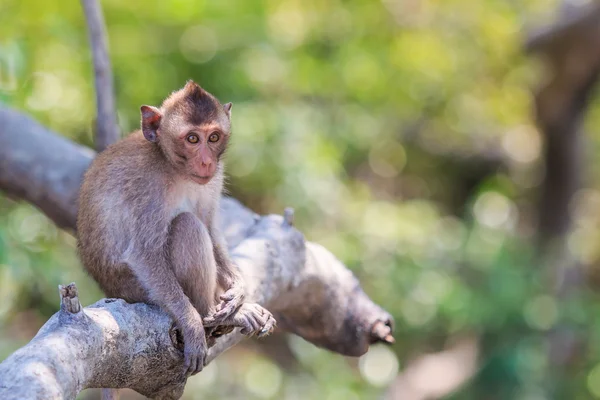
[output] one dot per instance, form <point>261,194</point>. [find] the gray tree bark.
<point>113,344</point>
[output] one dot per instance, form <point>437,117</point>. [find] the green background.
<point>381,123</point>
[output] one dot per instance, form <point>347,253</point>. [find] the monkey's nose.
<point>206,164</point>
<point>205,168</point>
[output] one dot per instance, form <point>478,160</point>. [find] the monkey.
<point>148,221</point>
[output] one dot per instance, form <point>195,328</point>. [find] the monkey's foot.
<point>251,317</point>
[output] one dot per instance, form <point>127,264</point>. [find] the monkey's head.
<point>192,129</point>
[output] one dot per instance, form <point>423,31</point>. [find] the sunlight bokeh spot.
<point>593,381</point>
<point>522,144</point>
<point>379,366</point>
<point>541,312</point>
<point>493,210</point>
<point>198,44</point>
<point>263,379</point>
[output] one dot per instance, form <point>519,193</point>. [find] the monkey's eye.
<point>214,137</point>
<point>192,138</point>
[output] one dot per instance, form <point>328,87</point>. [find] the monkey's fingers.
<point>218,319</point>
<point>268,323</point>
<point>235,293</point>
<point>232,296</point>
<point>256,320</point>
<point>247,319</point>
<point>190,364</point>
<point>250,326</point>
<point>225,310</point>
<point>227,296</point>
<point>268,327</point>
<point>200,362</point>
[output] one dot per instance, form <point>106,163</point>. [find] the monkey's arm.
<point>228,273</point>
<point>228,276</point>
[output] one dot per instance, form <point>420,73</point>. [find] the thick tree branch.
<point>115,344</point>
<point>41,167</point>
<point>107,130</point>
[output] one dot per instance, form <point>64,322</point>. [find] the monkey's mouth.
<point>201,179</point>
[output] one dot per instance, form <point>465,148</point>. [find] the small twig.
<point>107,130</point>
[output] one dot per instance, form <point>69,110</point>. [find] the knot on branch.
<point>69,300</point>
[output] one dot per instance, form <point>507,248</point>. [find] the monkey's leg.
<point>193,261</point>
<point>251,317</point>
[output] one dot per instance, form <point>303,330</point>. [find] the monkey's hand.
<point>232,299</point>
<point>195,348</point>
<point>252,318</point>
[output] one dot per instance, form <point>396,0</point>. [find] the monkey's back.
<point>119,199</point>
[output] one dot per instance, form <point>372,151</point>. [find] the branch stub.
<point>69,300</point>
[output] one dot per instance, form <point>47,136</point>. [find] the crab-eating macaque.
<point>148,225</point>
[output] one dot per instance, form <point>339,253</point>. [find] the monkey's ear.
<point>151,117</point>
<point>227,108</point>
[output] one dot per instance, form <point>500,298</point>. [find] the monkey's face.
<point>198,149</point>
<point>192,128</point>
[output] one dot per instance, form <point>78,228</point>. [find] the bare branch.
<point>113,344</point>
<point>47,174</point>
<point>107,130</point>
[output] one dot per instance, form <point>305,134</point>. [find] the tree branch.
<point>115,344</point>
<point>48,174</point>
<point>107,130</point>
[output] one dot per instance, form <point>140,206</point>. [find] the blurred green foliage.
<point>401,133</point>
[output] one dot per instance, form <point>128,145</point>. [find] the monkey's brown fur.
<point>148,221</point>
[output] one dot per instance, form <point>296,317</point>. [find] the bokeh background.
<point>403,132</point>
